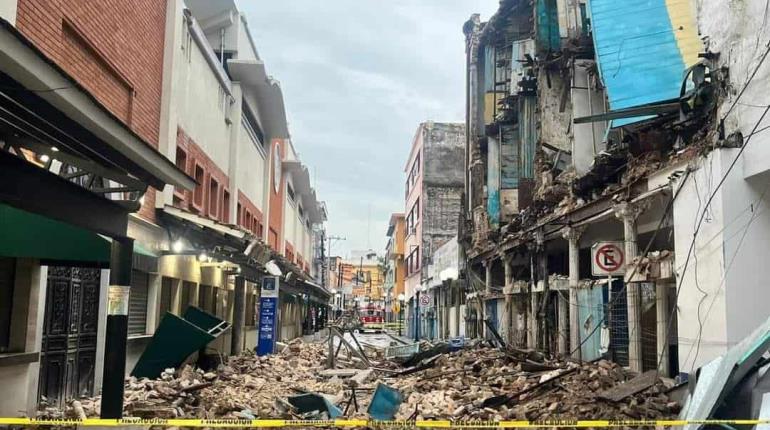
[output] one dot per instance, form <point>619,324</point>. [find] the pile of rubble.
<point>476,382</point>
<point>489,384</point>
<point>246,387</point>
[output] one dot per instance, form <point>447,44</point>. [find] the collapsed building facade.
<point>636,124</point>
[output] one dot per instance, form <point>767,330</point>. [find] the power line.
<point>754,216</point>
<point>754,73</point>
<point>703,214</point>
<point>646,251</point>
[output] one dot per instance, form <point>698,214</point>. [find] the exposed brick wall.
<point>249,216</point>
<point>114,49</point>
<point>197,159</point>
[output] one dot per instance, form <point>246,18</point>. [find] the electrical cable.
<point>746,85</point>
<point>646,251</point>
<point>703,214</point>
<point>754,216</point>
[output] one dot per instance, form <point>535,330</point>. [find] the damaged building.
<point>615,175</point>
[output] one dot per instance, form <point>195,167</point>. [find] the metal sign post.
<point>268,314</point>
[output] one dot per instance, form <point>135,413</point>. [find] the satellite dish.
<point>273,268</point>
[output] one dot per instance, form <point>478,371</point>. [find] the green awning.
<point>27,235</point>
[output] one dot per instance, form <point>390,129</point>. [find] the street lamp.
<point>400,312</point>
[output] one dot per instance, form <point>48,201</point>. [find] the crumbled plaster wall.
<point>739,30</point>
<point>554,125</point>
<point>444,154</point>
<point>441,216</point>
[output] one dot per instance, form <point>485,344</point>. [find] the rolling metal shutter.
<point>137,303</point>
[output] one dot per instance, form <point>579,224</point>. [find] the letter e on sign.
<point>607,259</point>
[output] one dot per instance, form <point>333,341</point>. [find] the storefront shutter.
<point>137,303</point>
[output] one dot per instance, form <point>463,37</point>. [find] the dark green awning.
<point>27,235</point>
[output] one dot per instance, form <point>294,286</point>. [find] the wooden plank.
<point>629,388</point>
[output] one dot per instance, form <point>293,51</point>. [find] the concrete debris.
<point>458,385</point>
<point>476,382</point>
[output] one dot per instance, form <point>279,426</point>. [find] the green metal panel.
<point>547,15</point>
<point>27,235</point>
<point>176,339</point>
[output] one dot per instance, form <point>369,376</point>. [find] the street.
<point>367,214</point>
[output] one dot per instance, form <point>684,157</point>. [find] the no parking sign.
<point>607,259</point>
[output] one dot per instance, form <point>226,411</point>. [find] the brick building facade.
<point>96,43</point>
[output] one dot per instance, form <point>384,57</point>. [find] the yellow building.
<point>364,273</point>
<point>395,267</point>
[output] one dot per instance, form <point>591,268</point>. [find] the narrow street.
<point>375,214</point>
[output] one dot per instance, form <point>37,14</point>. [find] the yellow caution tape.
<point>239,423</point>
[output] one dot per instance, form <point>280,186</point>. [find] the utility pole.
<point>323,258</point>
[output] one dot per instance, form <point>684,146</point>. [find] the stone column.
<point>663,315</point>
<point>446,287</point>
<point>542,270</point>
<point>483,300</point>
<point>458,315</point>
<point>508,291</point>
<point>627,213</point>
<point>572,234</point>
<point>563,324</point>
<point>532,322</point>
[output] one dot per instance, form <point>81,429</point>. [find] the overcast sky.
<point>358,76</point>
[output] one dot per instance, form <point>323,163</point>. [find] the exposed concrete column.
<point>508,291</point>
<point>662,314</point>
<point>572,234</point>
<point>458,288</point>
<point>627,213</point>
<point>520,303</point>
<point>483,299</point>
<point>542,270</point>
<point>562,343</point>
<point>532,332</point>
<point>447,305</point>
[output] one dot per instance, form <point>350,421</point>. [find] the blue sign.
<point>268,316</point>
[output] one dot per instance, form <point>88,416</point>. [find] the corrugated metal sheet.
<point>590,314</point>
<point>643,48</point>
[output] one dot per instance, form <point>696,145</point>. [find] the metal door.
<point>68,352</point>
